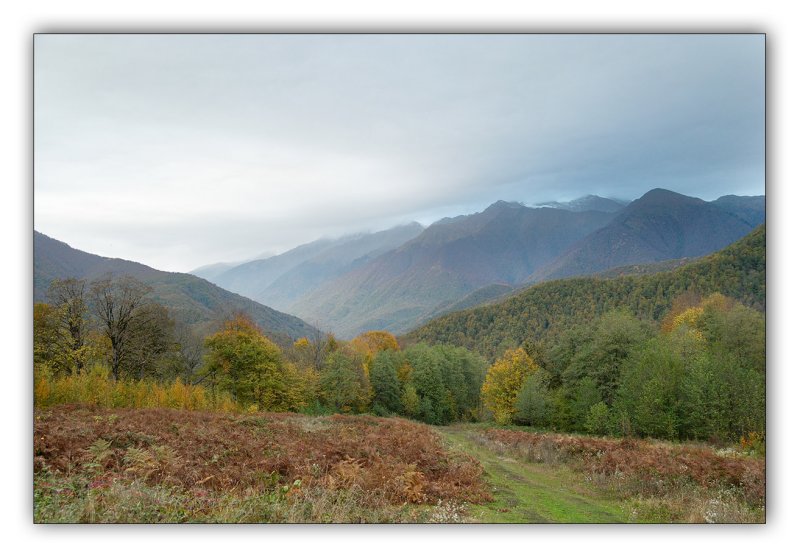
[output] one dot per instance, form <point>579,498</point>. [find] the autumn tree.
<point>190,348</point>
<point>504,381</point>
<point>310,352</point>
<point>370,343</point>
<point>152,348</point>
<point>69,311</point>
<point>118,304</point>
<point>45,333</point>
<point>242,361</point>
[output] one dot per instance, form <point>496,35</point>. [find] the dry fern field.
<point>100,465</point>
<point>164,465</point>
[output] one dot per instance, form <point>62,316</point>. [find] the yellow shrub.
<point>94,386</point>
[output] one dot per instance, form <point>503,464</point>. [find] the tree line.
<point>698,374</point>
<point>111,322</point>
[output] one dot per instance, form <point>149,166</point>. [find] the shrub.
<point>598,419</point>
<point>94,386</point>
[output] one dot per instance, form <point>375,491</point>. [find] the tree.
<point>372,342</point>
<point>462,373</point>
<point>244,363</point>
<point>152,348</point>
<point>436,404</point>
<point>45,333</point>
<point>504,381</point>
<point>532,405</point>
<point>598,419</point>
<point>68,298</point>
<point>582,396</point>
<point>118,304</point>
<point>650,386</point>
<point>410,400</point>
<point>311,352</point>
<point>190,348</point>
<point>343,384</point>
<point>385,383</point>
<point>616,335</point>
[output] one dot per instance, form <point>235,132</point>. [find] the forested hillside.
<point>550,308</point>
<point>192,300</point>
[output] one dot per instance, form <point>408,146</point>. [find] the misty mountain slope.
<point>250,278</point>
<point>210,272</point>
<point>750,209</point>
<point>334,262</point>
<point>192,300</point>
<point>453,257</point>
<point>303,268</point>
<point>661,225</point>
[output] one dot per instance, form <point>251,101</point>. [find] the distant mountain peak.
<point>662,196</point>
<point>503,203</point>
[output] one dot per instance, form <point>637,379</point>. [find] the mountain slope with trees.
<point>550,308</point>
<point>192,300</point>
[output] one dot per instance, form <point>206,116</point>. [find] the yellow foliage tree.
<point>504,381</point>
<point>370,343</point>
<point>243,362</point>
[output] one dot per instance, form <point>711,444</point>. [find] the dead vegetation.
<point>205,455</point>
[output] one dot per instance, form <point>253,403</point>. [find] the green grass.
<point>533,492</point>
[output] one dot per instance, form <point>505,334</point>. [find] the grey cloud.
<point>182,150</point>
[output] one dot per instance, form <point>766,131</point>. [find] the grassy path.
<point>532,492</point>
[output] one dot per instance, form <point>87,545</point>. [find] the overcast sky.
<point>182,150</point>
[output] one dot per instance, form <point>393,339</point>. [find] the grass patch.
<point>653,481</point>
<point>532,492</point>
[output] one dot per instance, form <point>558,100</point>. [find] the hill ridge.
<point>192,300</point>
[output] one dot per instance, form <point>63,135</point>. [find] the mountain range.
<point>400,278</point>
<point>453,257</point>
<point>661,225</point>
<point>191,300</point>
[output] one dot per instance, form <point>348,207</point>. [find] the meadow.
<point>96,464</point>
